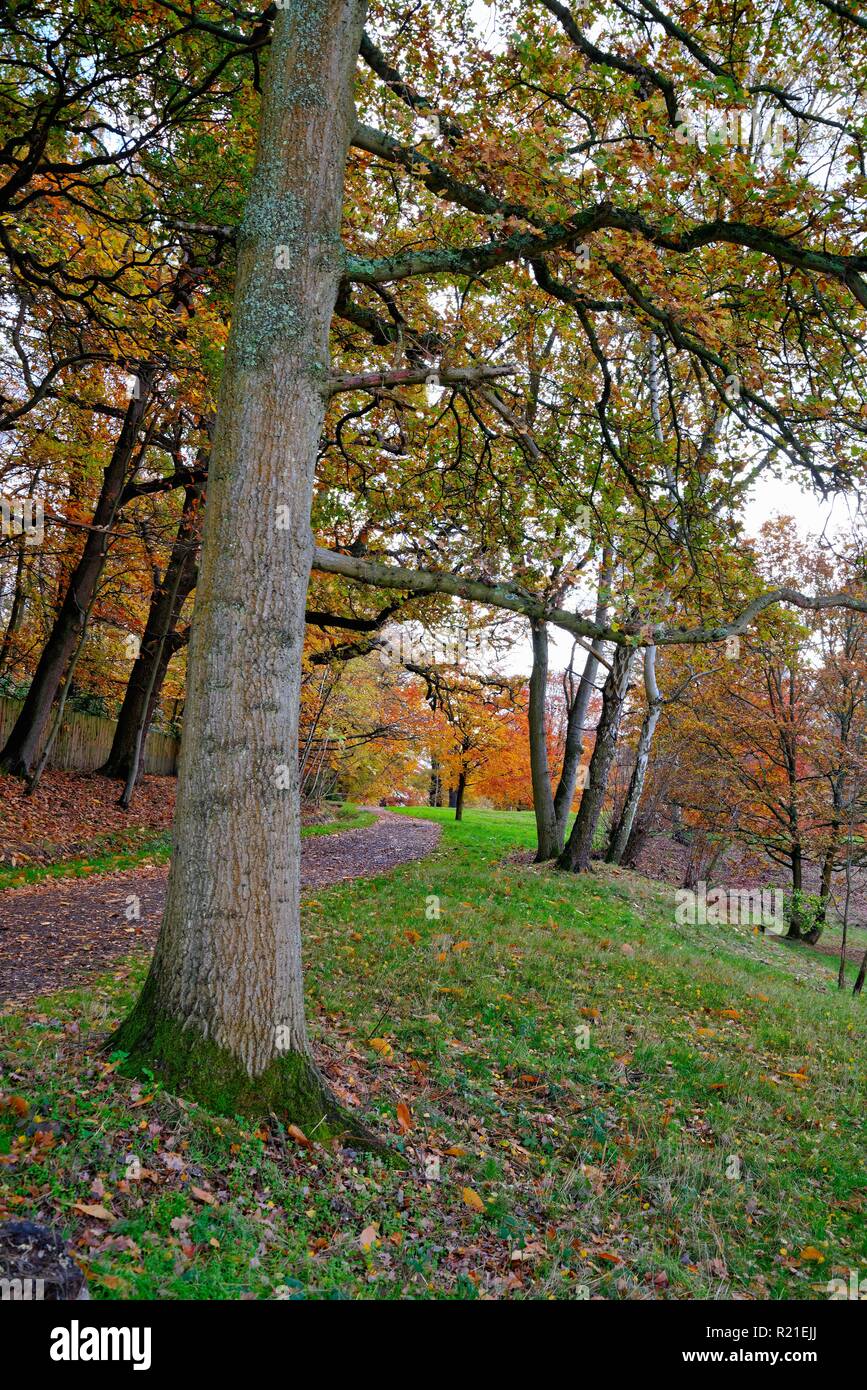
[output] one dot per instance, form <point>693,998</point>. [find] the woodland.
<point>433,649</point>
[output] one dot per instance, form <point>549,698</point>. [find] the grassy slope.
<point>603,1167</point>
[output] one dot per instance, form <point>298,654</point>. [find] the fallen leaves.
<point>368,1237</point>
<point>95,1210</point>
<point>299,1136</point>
<point>472,1199</point>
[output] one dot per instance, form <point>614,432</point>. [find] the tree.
<point>222,1014</point>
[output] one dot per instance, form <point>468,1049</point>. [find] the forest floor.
<point>590,1101</point>
<point>54,934</point>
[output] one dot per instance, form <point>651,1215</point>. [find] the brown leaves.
<point>404,1117</point>
<point>368,1237</point>
<point>95,1210</point>
<point>17,1105</point>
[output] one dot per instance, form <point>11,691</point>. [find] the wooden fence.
<point>84,741</point>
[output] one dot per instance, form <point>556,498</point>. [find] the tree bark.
<point>576,856</point>
<point>19,753</point>
<point>459,796</point>
<point>796,920</point>
<point>435,792</point>
<point>159,642</point>
<point>577,716</point>
<point>16,611</point>
<point>548,843</point>
<point>221,1016</point>
<point>622,830</point>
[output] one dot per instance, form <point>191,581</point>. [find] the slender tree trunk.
<point>576,855</point>
<point>825,883</point>
<point>577,716</point>
<point>796,922</point>
<point>862,973</point>
<point>19,753</point>
<point>548,843</point>
<point>623,829</point>
<point>459,796</point>
<point>16,611</point>
<point>221,1016</point>
<point>159,642</point>
<point>435,795</point>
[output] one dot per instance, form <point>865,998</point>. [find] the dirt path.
<point>55,935</point>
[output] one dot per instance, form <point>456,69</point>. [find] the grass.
<point>347,817</point>
<point>125,849</point>
<point>122,849</point>
<point>591,1101</point>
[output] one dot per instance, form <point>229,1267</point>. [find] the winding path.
<point>52,936</point>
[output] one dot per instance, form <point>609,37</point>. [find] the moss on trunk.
<point>190,1065</point>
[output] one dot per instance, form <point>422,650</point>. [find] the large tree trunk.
<point>19,753</point>
<point>459,796</point>
<point>576,855</point>
<point>159,643</point>
<point>548,843</point>
<point>221,1016</point>
<point>577,715</point>
<point>621,832</point>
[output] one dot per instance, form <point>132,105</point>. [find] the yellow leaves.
<point>590,1013</point>
<point>705,1032</point>
<point>462,945</point>
<point>472,1199</point>
<point>810,1252</point>
<point>382,1046</point>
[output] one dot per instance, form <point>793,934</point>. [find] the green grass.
<point>125,849</point>
<point>348,817</point>
<point>122,849</point>
<point>708,1142</point>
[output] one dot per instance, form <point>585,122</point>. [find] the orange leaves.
<point>472,1199</point>
<point>17,1105</point>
